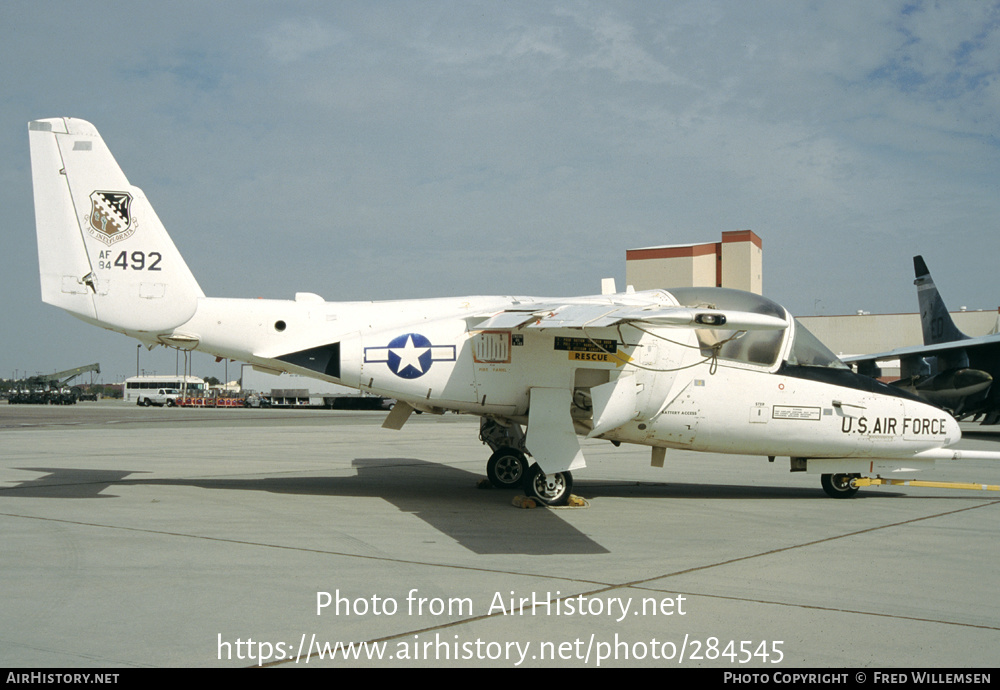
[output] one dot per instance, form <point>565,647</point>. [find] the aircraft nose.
<point>954,431</point>
<point>926,420</point>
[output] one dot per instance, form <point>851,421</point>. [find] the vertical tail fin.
<point>103,254</point>
<point>935,320</point>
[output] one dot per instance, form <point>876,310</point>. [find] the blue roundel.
<point>410,355</point>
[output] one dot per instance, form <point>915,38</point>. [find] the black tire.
<point>551,490</point>
<point>506,468</point>
<point>147,402</point>
<point>839,485</point>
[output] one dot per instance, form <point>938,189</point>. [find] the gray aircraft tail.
<point>935,320</point>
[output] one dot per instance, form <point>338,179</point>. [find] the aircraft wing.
<point>568,315</point>
<point>925,350</point>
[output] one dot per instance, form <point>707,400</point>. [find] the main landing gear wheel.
<point>839,485</point>
<point>550,489</point>
<point>506,468</point>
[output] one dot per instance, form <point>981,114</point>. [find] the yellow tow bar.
<point>877,481</point>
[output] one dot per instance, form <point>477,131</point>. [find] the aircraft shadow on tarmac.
<point>59,482</point>
<point>444,497</point>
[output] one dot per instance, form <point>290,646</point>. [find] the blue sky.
<point>384,150</point>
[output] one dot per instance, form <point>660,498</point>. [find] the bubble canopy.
<point>758,348</point>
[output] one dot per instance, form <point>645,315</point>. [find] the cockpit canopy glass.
<point>808,351</point>
<point>760,348</point>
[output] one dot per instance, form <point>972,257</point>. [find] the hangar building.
<point>734,262</point>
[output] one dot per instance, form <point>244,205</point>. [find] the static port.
<point>279,326</point>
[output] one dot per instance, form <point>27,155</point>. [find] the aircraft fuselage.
<point>676,398</point>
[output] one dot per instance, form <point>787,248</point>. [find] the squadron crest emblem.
<point>111,216</point>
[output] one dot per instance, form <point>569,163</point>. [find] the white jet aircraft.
<point>703,369</point>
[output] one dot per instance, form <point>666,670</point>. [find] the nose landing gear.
<point>839,485</point>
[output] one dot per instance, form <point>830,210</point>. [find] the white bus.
<point>137,387</point>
